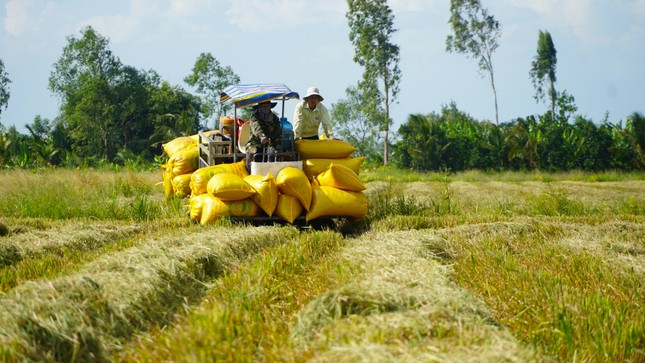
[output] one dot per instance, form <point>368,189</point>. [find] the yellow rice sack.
<point>166,173</point>
<point>293,181</point>
<point>181,185</point>
<point>331,202</point>
<point>214,208</point>
<point>243,208</point>
<point>229,187</point>
<point>313,167</point>
<point>195,206</point>
<point>266,192</point>
<point>179,143</point>
<point>238,168</point>
<point>195,137</point>
<point>323,149</point>
<point>288,208</point>
<point>340,177</point>
<point>200,178</point>
<point>184,161</point>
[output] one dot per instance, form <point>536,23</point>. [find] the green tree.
<point>523,138</point>
<point>543,69</point>
<point>635,136</point>
<point>105,105</point>
<point>176,113</point>
<point>419,147</point>
<point>130,106</point>
<point>81,79</point>
<point>4,87</point>
<point>623,150</point>
<point>17,149</point>
<point>5,143</point>
<point>210,78</point>
<point>371,26</point>
<point>354,126</point>
<point>491,153</point>
<point>451,140</point>
<point>42,142</point>
<point>558,146</point>
<point>566,105</point>
<point>595,143</point>
<point>475,34</point>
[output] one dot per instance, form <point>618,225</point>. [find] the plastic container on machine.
<point>287,133</point>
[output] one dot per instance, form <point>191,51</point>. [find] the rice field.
<point>513,267</point>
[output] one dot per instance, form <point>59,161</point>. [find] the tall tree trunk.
<point>552,91</point>
<point>386,150</point>
<point>492,84</point>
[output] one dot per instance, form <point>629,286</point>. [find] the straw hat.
<point>256,106</point>
<point>313,91</point>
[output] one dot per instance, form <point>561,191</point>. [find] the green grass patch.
<point>65,194</point>
<point>445,267</point>
<point>247,314</point>
<point>64,260</point>
<point>380,173</point>
<point>89,314</point>
<point>568,303</point>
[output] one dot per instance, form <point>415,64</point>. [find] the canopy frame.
<point>246,94</point>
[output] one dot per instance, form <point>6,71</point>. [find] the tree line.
<point>111,112</point>
<point>454,141</point>
<point>114,113</point>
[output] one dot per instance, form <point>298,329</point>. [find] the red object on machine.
<point>240,122</point>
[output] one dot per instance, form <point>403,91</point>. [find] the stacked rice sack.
<point>336,188</point>
<point>183,158</point>
<point>317,155</point>
<point>327,187</point>
<point>336,192</point>
<point>221,190</point>
<point>228,190</point>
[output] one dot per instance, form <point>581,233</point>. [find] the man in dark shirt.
<point>266,134</point>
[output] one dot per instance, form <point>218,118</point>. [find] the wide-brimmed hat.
<point>313,91</point>
<point>273,104</point>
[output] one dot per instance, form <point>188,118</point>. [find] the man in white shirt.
<point>308,116</point>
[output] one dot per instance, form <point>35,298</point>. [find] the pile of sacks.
<point>183,159</point>
<point>326,186</point>
<point>317,156</point>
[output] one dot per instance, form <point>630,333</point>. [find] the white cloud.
<point>118,28</point>
<point>412,5</point>
<point>572,14</point>
<point>25,17</point>
<point>637,8</point>
<point>144,15</point>
<point>538,6</point>
<point>265,15</point>
<point>184,8</point>
<point>17,20</point>
<point>145,8</point>
<point>633,38</point>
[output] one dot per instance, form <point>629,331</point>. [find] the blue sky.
<point>302,43</point>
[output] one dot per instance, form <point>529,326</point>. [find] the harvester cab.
<point>230,146</point>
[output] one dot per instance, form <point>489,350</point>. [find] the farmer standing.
<point>308,116</point>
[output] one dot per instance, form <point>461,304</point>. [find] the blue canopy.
<point>252,93</point>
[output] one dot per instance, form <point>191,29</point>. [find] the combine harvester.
<point>309,183</point>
